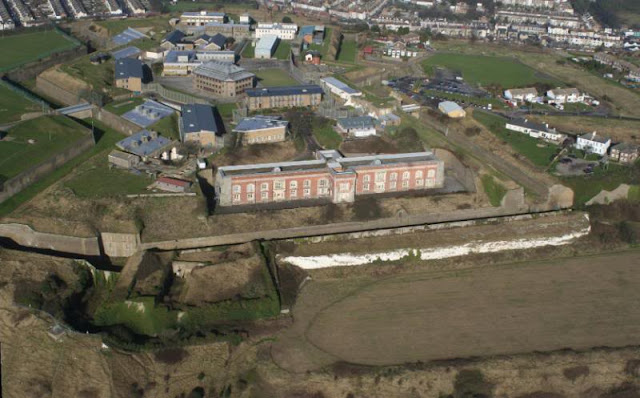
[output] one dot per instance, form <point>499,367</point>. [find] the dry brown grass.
<point>251,154</point>
<point>618,130</point>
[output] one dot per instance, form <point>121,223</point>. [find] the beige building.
<point>284,97</point>
<point>129,73</point>
<point>222,78</point>
<point>262,130</point>
<point>198,123</point>
<point>452,109</point>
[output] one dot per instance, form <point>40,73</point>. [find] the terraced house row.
<point>331,176</point>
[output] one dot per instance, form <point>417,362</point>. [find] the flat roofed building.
<point>340,89</point>
<point>262,129</point>
<point>331,177</point>
<point>284,97</point>
<point>201,18</point>
<point>266,46</point>
<point>182,63</point>
<point>361,126</point>
<point>122,159</point>
<point>284,31</point>
<point>129,73</point>
<point>145,144</point>
<point>222,78</point>
<point>198,124</point>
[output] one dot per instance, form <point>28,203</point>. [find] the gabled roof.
<point>129,67</point>
<point>359,122</point>
<point>144,143</point>
<point>127,36</point>
<point>172,56</point>
<point>523,91</point>
<point>528,124</point>
<point>626,147</point>
<point>174,181</point>
<point>174,37</point>
<point>218,39</point>
<point>595,138</point>
<point>449,106</point>
<point>198,117</point>
<point>284,90</point>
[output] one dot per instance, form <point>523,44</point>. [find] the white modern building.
<point>521,94</point>
<point>201,18</point>
<point>266,46</point>
<point>593,143</point>
<point>283,31</point>
<point>565,95</point>
<point>358,127</point>
<point>535,130</point>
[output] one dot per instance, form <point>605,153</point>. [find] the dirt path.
<point>537,306</point>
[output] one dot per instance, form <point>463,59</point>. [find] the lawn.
<point>141,316</point>
<point>99,77</point>
<point>249,51</point>
<point>348,50</point>
<point>96,179</point>
<point>51,135</point>
<point>106,139</point>
<point>283,51</point>
<point>226,110</point>
<point>537,151</point>
<point>586,187</point>
<point>327,136</point>
<point>124,106</point>
<point>275,77</point>
<point>486,70</point>
<point>324,47</point>
<point>13,105</point>
<point>167,127</point>
<point>494,190</point>
<point>28,47</point>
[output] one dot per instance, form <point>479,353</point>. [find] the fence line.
<point>172,95</point>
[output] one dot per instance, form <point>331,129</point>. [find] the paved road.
<point>486,156</point>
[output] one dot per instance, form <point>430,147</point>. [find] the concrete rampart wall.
<point>116,122</point>
<point>463,174</point>
<point>52,90</point>
<point>120,245</point>
<point>28,177</point>
<point>26,236</point>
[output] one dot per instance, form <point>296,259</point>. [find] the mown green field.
<point>348,50</point>
<point>20,49</point>
<point>50,135</point>
<point>95,179</point>
<point>275,77</point>
<point>327,136</point>
<point>13,105</point>
<point>283,51</point>
<point>487,70</point>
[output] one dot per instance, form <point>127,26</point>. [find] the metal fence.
<point>171,95</point>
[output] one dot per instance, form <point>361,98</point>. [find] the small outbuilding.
<point>452,110</point>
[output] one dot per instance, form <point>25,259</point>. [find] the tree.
<point>403,31</point>
<point>375,29</point>
<point>287,19</point>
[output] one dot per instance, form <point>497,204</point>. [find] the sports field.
<point>275,77</point>
<point>50,135</point>
<point>537,306</point>
<point>13,105</point>
<point>486,70</point>
<point>19,49</point>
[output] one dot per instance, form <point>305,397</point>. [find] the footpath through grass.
<point>486,70</point>
<point>537,151</point>
<point>20,49</point>
<point>106,139</point>
<point>34,141</point>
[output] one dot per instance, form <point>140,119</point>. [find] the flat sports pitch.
<point>539,306</point>
<point>19,49</point>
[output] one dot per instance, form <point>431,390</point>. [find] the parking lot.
<point>574,166</point>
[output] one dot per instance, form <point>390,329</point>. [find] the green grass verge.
<point>537,151</point>
<point>96,179</point>
<point>51,135</point>
<point>167,127</point>
<point>348,50</point>
<point>634,193</point>
<point>226,110</point>
<point>283,51</point>
<point>13,105</point>
<point>494,190</point>
<point>124,106</point>
<point>485,70</point>
<point>28,47</point>
<point>140,315</point>
<point>249,51</point>
<point>327,136</point>
<point>157,24</point>
<point>107,138</point>
<point>326,43</point>
<point>586,187</point>
<point>275,77</point>
<point>99,77</point>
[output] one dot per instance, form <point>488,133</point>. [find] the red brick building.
<point>331,176</point>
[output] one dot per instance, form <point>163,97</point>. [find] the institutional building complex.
<point>331,176</point>
<point>222,78</point>
<point>284,97</point>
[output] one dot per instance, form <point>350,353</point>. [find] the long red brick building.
<point>330,176</point>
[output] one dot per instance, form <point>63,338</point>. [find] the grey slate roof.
<point>197,117</point>
<point>259,122</point>
<point>126,52</point>
<point>529,124</point>
<point>172,56</point>
<point>359,122</point>
<point>284,90</point>
<point>218,39</point>
<point>224,71</point>
<point>595,138</point>
<point>174,37</point>
<point>129,67</point>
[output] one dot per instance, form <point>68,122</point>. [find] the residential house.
<point>331,177</point>
<point>357,127</point>
<point>198,124</point>
<point>521,94</point>
<point>262,129</point>
<point>535,130</point>
<point>625,153</point>
<point>565,95</point>
<point>593,143</point>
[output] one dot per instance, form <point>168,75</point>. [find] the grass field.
<point>95,179</point>
<point>106,139</point>
<point>99,77</point>
<point>494,190</point>
<point>226,110</point>
<point>505,309</point>
<point>51,134</point>
<point>28,47</point>
<point>586,187</point>
<point>485,70</point>
<point>13,105</point>
<point>168,127</point>
<point>124,106</point>
<point>327,136</point>
<point>283,51</point>
<point>537,151</point>
<point>348,50</point>
<point>249,51</point>
<point>275,77</point>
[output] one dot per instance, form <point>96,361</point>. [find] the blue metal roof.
<point>126,52</point>
<point>340,85</point>
<point>126,36</point>
<point>306,30</point>
<point>172,56</point>
<point>144,143</point>
<point>198,117</point>
<point>284,90</point>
